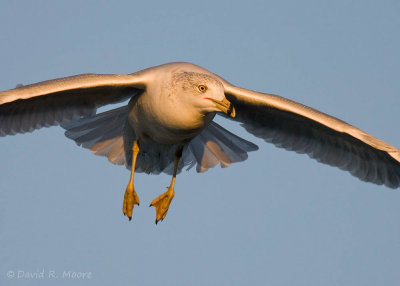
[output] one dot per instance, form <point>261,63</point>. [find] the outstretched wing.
<point>57,101</point>
<point>296,127</point>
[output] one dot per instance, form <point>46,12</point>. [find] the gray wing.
<point>57,101</point>
<point>296,127</point>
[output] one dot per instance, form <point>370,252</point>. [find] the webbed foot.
<point>162,202</point>
<point>130,200</point>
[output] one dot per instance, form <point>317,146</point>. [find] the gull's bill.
<point>225,106</point>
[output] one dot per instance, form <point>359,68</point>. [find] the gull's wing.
<point>53,102</point>
<point>293,126</point>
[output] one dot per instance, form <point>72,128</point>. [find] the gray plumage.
<point>73,102</point>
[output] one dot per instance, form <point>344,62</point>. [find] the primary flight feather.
<point>167,124</point>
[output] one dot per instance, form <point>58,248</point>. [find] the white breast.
<point>159,116</point>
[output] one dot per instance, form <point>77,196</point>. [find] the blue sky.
<point>277,219</point>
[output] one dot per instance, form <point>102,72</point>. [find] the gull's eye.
<point>202,88</point>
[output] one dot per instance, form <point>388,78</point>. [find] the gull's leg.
<point>131,199</point>
<point>162,202</point>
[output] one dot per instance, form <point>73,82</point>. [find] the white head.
<point>202,91</point>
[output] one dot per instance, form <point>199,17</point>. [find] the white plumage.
<point>172,106</point>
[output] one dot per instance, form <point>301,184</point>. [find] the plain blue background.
<point>277,219</point>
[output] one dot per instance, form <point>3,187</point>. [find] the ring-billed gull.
<point>168,125</point>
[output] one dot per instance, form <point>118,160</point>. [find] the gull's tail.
<point>101,133</point>
<point>217,145</point>
<point>107,134</point>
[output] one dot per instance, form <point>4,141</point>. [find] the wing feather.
<point>293,126</point>
<point>57,101</point>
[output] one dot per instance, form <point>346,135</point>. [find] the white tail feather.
<point>102,134</point>
<point>217,145</point>
<point>108,134</point>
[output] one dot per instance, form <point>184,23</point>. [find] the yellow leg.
<point>162,202</point>
<point>131,199</point>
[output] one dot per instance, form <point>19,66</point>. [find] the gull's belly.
<point>164,132</point>
<point>166,126</point>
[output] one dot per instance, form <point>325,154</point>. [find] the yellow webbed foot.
<point>130,200</point>
<point>162,202</point>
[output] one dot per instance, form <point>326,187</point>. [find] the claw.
<point>130,200</point>
<point>162,202</point>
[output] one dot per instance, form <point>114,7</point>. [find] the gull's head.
<point>204,92</point>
